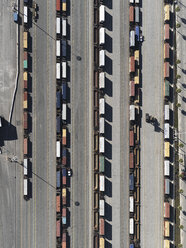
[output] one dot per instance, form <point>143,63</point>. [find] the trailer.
<point>58,71</point>
<point>102,207</point>
<point>64,27</point>
<point>102,36</point>
<point>58,149</point>
<point>101,58</point>
<point>101,183</point>
<point>102,80</point>
<point>58,48</point>
<point>101,13</point>
<point>101,144</point>
<point>25,164</point>
<point>166,168</point>
<point>58,25</point>
<point>101,125</point>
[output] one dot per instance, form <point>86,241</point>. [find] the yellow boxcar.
<point>167,12</point>
<point>64,5</point>
<point>101,242</point>
<point>166,229</point>
<point>25,76</point>
<point>166,243</point>
<point>25,40</point>
<point>136,55</point>
<point>136,78</point>
<point>167,149</point>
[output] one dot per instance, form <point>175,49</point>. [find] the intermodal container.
<point>58,179</point>
<point>58,229</point>
<point>64,176</point>
<point>166,186</point>
<point>131,138</point>
<point>64,48</point>
<point>166,50</point>
<point>25,78</point>
<point>101,242</point>
<point>64,27</point>
<point>102,80</point>
<point>64,196</point>
<point>64,136</point>
<point>166,210</point>
<point>96,116</point>
<point>101,13</point>
<point>58,5</point>
<point>131,13</point>
<point>131,182</point>
<point>25,146</point>
<point>166,69</point>
<point>101,106</point>
<point>64,215</point>
<point>101,164</point>
<point>58,124</point>
<point>166,32</point>
<point>131,64</point>
<point>166,168</point>
<point>25,40</point>
<point>25,120</point>
<point>58,203</point>
<point>166,89</point>
<point>102,183</point>
<point>137,14</point>
<point>64,6</point>
<point>131,160</point>
<point>166,229</point>
<point>132,89</point>
<point>101,207</point>
<point>131,246</point>
<point>58,100</point>
<point>64,112</point>
<point>25,166</point>
<point>101,226</point>
<point>58,25</point>
<point>64,156</point>
<point>96,162</point>
<point>58,149</point>
<point>101,144</point>
<point>25,102</point>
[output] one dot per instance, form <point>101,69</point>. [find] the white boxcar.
<point>131,206</point>
<point>25,14</point>
<point>58,149</point>
<point>25,187</point>
<point>167,112</point>
<point>102,58</point>
<point>137,14</point>
<point>64,69</point>
<point>102,36</point>
<point>102,183</point>
<point>132,113</point>
<point>131,229</point>
<point>132,38</point>
<point>58,71</point>
<point>102,125</point>
<point>166,131</point>
<point>101,13</point>
<point>101,144</point>
<point>167,186</point>
<point>166,168</point>
<point>101,106</point>
<point>64,112</point>
<point>58,25</point>
<point>25,166</point>
<point>58,48</point>
<point>64,27</point>
<point>101,207</point>
<point>102,80</point>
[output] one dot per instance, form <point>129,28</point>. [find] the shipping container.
<point>166,113</point>
<point>101,144</point>
<point>166,12</point>
<point>25,40</point>
<point>64,48</point>
<point>58,5</point>
<point>58,124</point>
<point>64,176</point>
<point>64,196</point>
<point>132,89</point>
<point>166,186</point>
<point>64,27</point>
<point>132,113</point>
<point>58,71</point>
<point>64,91</point>
<point>131,182</point>
<point>64,111</point>
<point>166,69</point>
<point>101,125</point>
<point>131,14</point>
<point>131,204</point>
<point>101,226</point>
<point>58,203</point>
<point>64,216</point>
<point>58,179</point>
<point>131,226</point>
<point>58,99</point>
<point>25,14</point>
<point>25,78</point>
<point>166,168</point>
<point>166,50</point>
<point>58,25</point>
<point>58,149</point>
<point>102,80</point>
<point>166,210</point>
<point>137,33</point>
<point>102,183</point>
<point>102,36</point>
<point>131,160</point>
<point>64,6</point>
<point>25,187</point>
<point>101,58</point>
<point>25,120</point>
<point>101,106</point>
<point>166,229</point>
<point>132,38</point>
<point>166,149</point>
<point>166,89</point>
<point>58,48</point>
<point>25,166</point>
<point>102,207</point>
<point>131,64</point>
<point>166,32</point>
<point>166,131</point>
<point>64,136</point>
<point>25,148</point>
<point>58,228</point>
<point>64,156</point>
<point>101,164</point>
<point>101,13</point>
<point>101,242</point>
<point>166,243</point>
<point>137,14</point>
